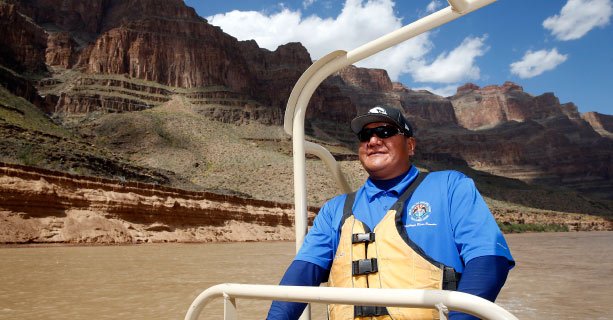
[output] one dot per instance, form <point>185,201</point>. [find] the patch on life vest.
<point>420,211</point>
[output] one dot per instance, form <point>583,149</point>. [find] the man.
<point>401,229</point>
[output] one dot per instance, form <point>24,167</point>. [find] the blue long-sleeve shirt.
<point>483,276</point>
<point>446,217</point>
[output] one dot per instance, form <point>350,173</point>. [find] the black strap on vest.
<point>451,278</point>
<point>347,208</point>
<point>369,311</point>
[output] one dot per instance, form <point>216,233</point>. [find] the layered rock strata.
<point>41,206</point>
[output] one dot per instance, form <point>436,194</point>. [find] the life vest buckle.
<point>363,237</point>
<point>364,266</point>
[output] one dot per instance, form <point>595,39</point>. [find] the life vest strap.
<point>451,278</point>
<point>369,311</point>
<point>363,237</point>
<point>364,266</point>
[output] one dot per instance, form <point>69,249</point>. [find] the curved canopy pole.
<point>324,67</point>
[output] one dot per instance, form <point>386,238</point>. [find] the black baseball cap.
<point>382,113</point>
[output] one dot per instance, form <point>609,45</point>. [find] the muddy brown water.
<point>558,276</point>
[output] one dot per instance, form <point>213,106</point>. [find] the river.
<point>558,276</point>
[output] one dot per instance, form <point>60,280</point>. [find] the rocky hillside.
<point>146,91</point>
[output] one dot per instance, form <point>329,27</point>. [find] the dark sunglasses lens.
<point>365,135</point>
<point>386,132</point>
<point>381,132</point>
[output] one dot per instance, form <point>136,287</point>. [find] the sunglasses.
<point>382,132</point>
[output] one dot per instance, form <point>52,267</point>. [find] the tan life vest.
<point>385,258</point>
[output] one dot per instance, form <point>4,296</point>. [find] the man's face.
<point>386,158</point>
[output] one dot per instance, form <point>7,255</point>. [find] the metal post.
<point>230,311</point>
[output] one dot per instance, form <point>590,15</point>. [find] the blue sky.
<point>559,46</point>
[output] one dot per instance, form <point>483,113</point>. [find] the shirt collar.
<point>372,191</point>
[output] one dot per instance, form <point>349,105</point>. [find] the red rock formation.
<point>78,17</point>
<point>178,53</point>
<point>22,42</point>
<point>478,108</point>
<point>275,74</point>
<point>60,50</point>
<point>602,123</point>
<point>425,109</point>
<point>366,79</point>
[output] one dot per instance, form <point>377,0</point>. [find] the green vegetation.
<point>532,227</point>
<point>30,157</point>
<point>19,112</point>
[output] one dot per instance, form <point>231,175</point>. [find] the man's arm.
<point>299,273</point>
<point>481,243</point>
<point>484,277</point>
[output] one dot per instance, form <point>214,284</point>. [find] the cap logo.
<point>377,110</point>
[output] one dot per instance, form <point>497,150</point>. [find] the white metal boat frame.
<point>442,300</point>
<point>294,126</point>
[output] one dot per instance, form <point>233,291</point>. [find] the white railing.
<point>442,300</point>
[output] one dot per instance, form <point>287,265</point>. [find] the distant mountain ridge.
<point>78,61</point>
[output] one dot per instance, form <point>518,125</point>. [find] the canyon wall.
<point>115,56</point>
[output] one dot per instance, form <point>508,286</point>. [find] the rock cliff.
<point>602,123</point>
<point>480,108</point>
<point>537,139</point>
<point>23,41</point>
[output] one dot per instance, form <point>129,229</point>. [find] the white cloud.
<point>359,22</point>
<point>433,6</point>
<point>455,66</point>
<point>578,17</point>
<point>268,31</point>
<point>537,62</point>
